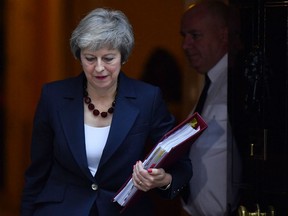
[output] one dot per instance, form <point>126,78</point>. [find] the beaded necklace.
<point>91,106</point>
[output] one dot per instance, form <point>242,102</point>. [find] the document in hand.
<point>172,146</point>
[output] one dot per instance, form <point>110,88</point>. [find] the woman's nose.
<point>99,66</point>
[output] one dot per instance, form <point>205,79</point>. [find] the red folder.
<point>179,140</point>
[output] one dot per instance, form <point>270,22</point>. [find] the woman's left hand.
<point>146,180</point>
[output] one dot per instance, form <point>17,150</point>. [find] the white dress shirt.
<point>208,154</point>
<point>95,141</point>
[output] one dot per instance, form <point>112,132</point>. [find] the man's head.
<point>204,29</point>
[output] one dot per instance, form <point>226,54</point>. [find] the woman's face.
<point>101,67</point>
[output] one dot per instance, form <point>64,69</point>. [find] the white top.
<point>208,154</point>
<point>95,141</point>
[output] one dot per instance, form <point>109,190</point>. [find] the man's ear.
<point>224,34</point>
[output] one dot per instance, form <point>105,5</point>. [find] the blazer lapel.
<point>123,119</point>
<point>72,119</point>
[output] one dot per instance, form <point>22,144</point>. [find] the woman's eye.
<point>90,59</point>
<point>108,59</point>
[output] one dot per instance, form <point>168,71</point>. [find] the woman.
<point>91,131</point>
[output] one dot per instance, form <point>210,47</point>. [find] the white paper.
<point>155,157</point>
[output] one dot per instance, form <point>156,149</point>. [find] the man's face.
<point>204,39</point>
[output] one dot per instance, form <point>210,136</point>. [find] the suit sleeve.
<point>41,156</point>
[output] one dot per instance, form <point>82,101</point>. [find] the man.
<point>204,28</point>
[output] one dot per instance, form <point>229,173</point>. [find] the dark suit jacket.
<point>58,181</point>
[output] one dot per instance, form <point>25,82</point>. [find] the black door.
<point>258,101</point>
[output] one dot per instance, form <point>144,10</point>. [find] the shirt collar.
<point>218,69</point>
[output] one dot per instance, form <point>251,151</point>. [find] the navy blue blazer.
<point>58,181</point>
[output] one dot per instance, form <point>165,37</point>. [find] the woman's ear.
<point>77,54</point>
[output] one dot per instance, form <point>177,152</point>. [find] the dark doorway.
<point>2,111</point>
<point>258,103</point>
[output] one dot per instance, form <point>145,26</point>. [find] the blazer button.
<point>94,187</point>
